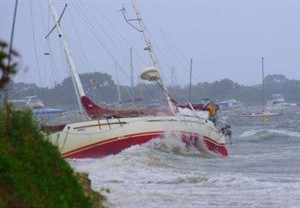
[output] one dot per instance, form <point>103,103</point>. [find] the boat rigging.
<point>112,131</point>
<point>149,48</point>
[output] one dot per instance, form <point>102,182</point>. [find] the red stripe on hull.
<point>217,148</point>
<point>209,144</point>
<point>114,146</point>
<point>111,148</point>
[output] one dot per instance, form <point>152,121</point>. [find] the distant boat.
<point>264,112</point>
<point>229,104</point>
<point>36,105</point>
<point>261,114</point>
<point>278,102</point>
<point>47,111</point>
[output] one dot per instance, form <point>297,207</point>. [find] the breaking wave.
<point>285,132</point>
<point>262,170</point>
<point>173,144</point>
<point>279,132</point>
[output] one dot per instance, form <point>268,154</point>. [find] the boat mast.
<point>132,82</point>
<point>263,81</point>
<point>75,77</point>
<point>118,86</point>
<point>190,89</point>
<point>153,57</point>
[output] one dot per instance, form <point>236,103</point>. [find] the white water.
<point>263,170</point>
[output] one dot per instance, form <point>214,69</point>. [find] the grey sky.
<point>225,39</point>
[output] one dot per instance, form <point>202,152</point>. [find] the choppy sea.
<point>262,170</point>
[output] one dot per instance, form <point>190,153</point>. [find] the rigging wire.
<point>129,44</point>
<point>65,67</point>
<point>105,47</point>
<point>12,33</point>
<point>171,45</point>
<point>155,43</point>
<point>173,48</point>
<point>127,91</point>
<point>44,31</point>
<point>107,36</point>
<point>93,30</point>
<point>119,33</point>
<point>53,66</point>
<point>147,87</point>
<point>35,48</point>
<point>10,48</point>
<point>82,53</point>
<point>179,56</point>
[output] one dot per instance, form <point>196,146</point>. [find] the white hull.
<point>103,137</point>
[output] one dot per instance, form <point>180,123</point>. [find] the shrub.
<point>32,172</point>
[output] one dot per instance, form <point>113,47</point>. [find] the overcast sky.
<point>225,39</point>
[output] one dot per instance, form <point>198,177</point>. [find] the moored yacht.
<point>278,102</point>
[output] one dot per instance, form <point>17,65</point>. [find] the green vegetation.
<point>7,70</point>
<point>32,172</point>
<point>101,88</point>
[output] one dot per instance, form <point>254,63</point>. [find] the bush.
<point>32,172</point>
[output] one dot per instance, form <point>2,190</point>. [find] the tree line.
<point>101,88</point>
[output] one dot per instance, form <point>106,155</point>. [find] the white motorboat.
<point>278,103</point>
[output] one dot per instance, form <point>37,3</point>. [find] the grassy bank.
<point>32,173</point>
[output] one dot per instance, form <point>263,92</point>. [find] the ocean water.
<point>262,170</point>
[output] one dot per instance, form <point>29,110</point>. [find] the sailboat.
<point>263,113</point>
<point>106,135</point>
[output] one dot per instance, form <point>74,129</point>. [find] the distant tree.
<point>275,78</point>
<point>101,88</point>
